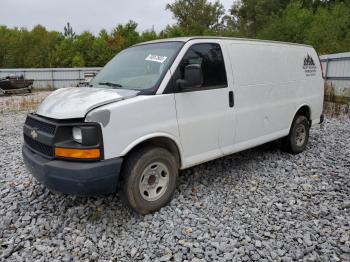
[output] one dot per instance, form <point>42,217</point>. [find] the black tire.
<point>134,169</point>
<point>298,137</point>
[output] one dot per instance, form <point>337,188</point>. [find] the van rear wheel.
<point>298,137</point>
<point>149,179</point>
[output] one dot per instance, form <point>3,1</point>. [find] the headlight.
<point>77,134</point>
<point>79,141</point>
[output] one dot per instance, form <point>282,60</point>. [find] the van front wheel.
<point>298,137</point>
<point>149,179</point>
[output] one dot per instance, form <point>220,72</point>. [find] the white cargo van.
<point>166,105</point>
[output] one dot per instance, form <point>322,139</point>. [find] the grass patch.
<point>25,102</point>
<point>331,96</point>
<point>45,89</point>
<point>341,100</point>
<point>95,216</point>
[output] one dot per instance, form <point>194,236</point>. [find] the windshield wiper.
<point>110,84</point>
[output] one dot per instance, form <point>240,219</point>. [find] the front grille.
<point>38,146</point>
<point>42,126</point>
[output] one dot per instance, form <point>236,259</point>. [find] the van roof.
<point>186,39</point>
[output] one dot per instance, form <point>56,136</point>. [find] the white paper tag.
<point>156,58</point>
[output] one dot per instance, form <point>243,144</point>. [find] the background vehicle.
<point>171,104</point>
<point>15,84</point>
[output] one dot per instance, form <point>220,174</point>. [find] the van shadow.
<point>229,165</point>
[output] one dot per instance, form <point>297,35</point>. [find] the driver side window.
<point>211,61</point>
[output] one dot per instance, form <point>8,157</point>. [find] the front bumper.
<point>77,178</point>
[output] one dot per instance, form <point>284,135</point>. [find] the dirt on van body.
<point>258,205</point>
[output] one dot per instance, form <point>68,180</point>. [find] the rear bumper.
<point>77,178</point>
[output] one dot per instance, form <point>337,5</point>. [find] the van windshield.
<point>139,68</point>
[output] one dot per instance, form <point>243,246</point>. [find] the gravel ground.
<point>261,204</point>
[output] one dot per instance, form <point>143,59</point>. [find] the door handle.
<point>231,99</point>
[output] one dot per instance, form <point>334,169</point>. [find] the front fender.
<point>150,136</point>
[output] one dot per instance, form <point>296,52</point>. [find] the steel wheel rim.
<point>300,135</point>
<point>154,181</point>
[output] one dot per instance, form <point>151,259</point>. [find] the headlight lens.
<point>77,134</point>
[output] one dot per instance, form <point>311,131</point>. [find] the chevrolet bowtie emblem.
<point>34,134</point>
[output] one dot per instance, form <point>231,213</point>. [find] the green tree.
<point>251,16</point>
<point>10,47</point>
<point>83,45</point>
<point>148,35</point>
<point>3,44</point>
<point>324,24</point>
<point>315,4</point>
<point>37,44</point>
<point>68,32</point>
<point>101,50</point>
<point>291,26</point>
<point>172,31</point>
<point>329,31</point>
<point>327,28</point>
<point>124,36</point>
<point>63,54</point>
<point>197,17</point>
<point>78,60</point>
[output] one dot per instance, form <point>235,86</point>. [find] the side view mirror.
<point>193,77</point>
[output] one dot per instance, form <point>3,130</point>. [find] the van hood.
<point>76,102</point>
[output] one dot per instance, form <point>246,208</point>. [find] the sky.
<point>87,15</point>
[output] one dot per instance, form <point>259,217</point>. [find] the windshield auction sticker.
<point>156,58</point>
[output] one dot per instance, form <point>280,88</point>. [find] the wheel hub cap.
<point>154,181</point>
<point>300,135</point>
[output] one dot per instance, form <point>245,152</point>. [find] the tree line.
<point>325,24</point>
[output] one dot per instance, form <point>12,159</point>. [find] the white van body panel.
<point>200,116</point>
<point>269,81</point>
<point>270,86</point>
<point>206,122</point>
<point>137,119</point>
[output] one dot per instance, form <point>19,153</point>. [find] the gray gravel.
<point>258,205</point>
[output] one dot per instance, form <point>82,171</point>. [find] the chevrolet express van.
<point>166,105</point>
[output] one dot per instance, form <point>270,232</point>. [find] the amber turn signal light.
<point>77,153</point>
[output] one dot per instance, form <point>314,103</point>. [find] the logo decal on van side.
<point>309,66</point>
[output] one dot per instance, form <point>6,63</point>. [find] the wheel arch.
<point>159,139</point>
<point>303,110</point>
